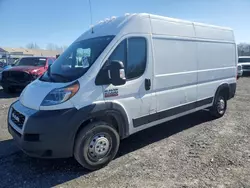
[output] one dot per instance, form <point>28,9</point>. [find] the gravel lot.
<point>193,151</point>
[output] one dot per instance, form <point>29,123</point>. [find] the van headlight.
<point>60,95</point>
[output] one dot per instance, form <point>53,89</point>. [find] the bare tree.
<point>51,46</point>
<point>244,49</point>
<point>32,45</point>
<point>62,48</point>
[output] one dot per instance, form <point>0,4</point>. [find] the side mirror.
<point>116,73</point>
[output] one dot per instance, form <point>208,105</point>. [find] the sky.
<point>62,21</point>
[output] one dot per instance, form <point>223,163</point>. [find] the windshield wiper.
<point>61,76</point>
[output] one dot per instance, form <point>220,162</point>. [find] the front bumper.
<point>14,84</point>
<point>240,73</point>
<point>16,79</point>
<point>46,134</point>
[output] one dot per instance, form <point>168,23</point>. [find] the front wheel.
<point>220,106</point>
<point>96,145</point>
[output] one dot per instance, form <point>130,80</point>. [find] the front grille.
<point>16,76</point>
<point>246,66</point>
<point>17,118</point>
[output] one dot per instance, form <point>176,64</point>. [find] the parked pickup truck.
<point>239,71</point>
<point>244,61</point>
<point>26,70</point>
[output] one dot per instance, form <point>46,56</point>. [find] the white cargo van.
<point>124,75</point>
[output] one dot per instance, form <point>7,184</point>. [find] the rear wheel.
<point>220,105</point>
<point>96,145</point>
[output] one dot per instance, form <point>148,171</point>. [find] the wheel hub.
<point>99,146</point>
<point>221,105</point>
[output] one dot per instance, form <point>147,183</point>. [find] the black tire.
<point>220,105</point>
<point>86,150</point>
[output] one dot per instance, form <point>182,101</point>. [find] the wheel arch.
<point>225,88</point>
<point>110,112</point>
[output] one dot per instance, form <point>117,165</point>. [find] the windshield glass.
<point>77,59</point>
<point>244,60</point>
<point>31,61</point>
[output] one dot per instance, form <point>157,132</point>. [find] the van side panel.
<point>191,61</point>
<point>169,28</point>
<point>213,32</point>
<point>175,75</point>
<point>216,65</point>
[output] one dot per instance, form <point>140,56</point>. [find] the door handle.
<point>147,84</point>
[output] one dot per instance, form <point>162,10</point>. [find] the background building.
<point>21,52</point>
<point>10,55</point>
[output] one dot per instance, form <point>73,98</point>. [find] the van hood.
<point>29,69</point>
<point>34,94</point>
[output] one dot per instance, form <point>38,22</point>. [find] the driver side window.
<point>119,54</point>
<point>133,53</point>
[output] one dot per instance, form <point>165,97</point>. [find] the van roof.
<point>139,24</point>
<point>153,16</point>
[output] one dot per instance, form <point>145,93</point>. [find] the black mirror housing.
<point>112,73</point>
<point>116,73</point>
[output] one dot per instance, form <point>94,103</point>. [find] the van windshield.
<point>76,60</point>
